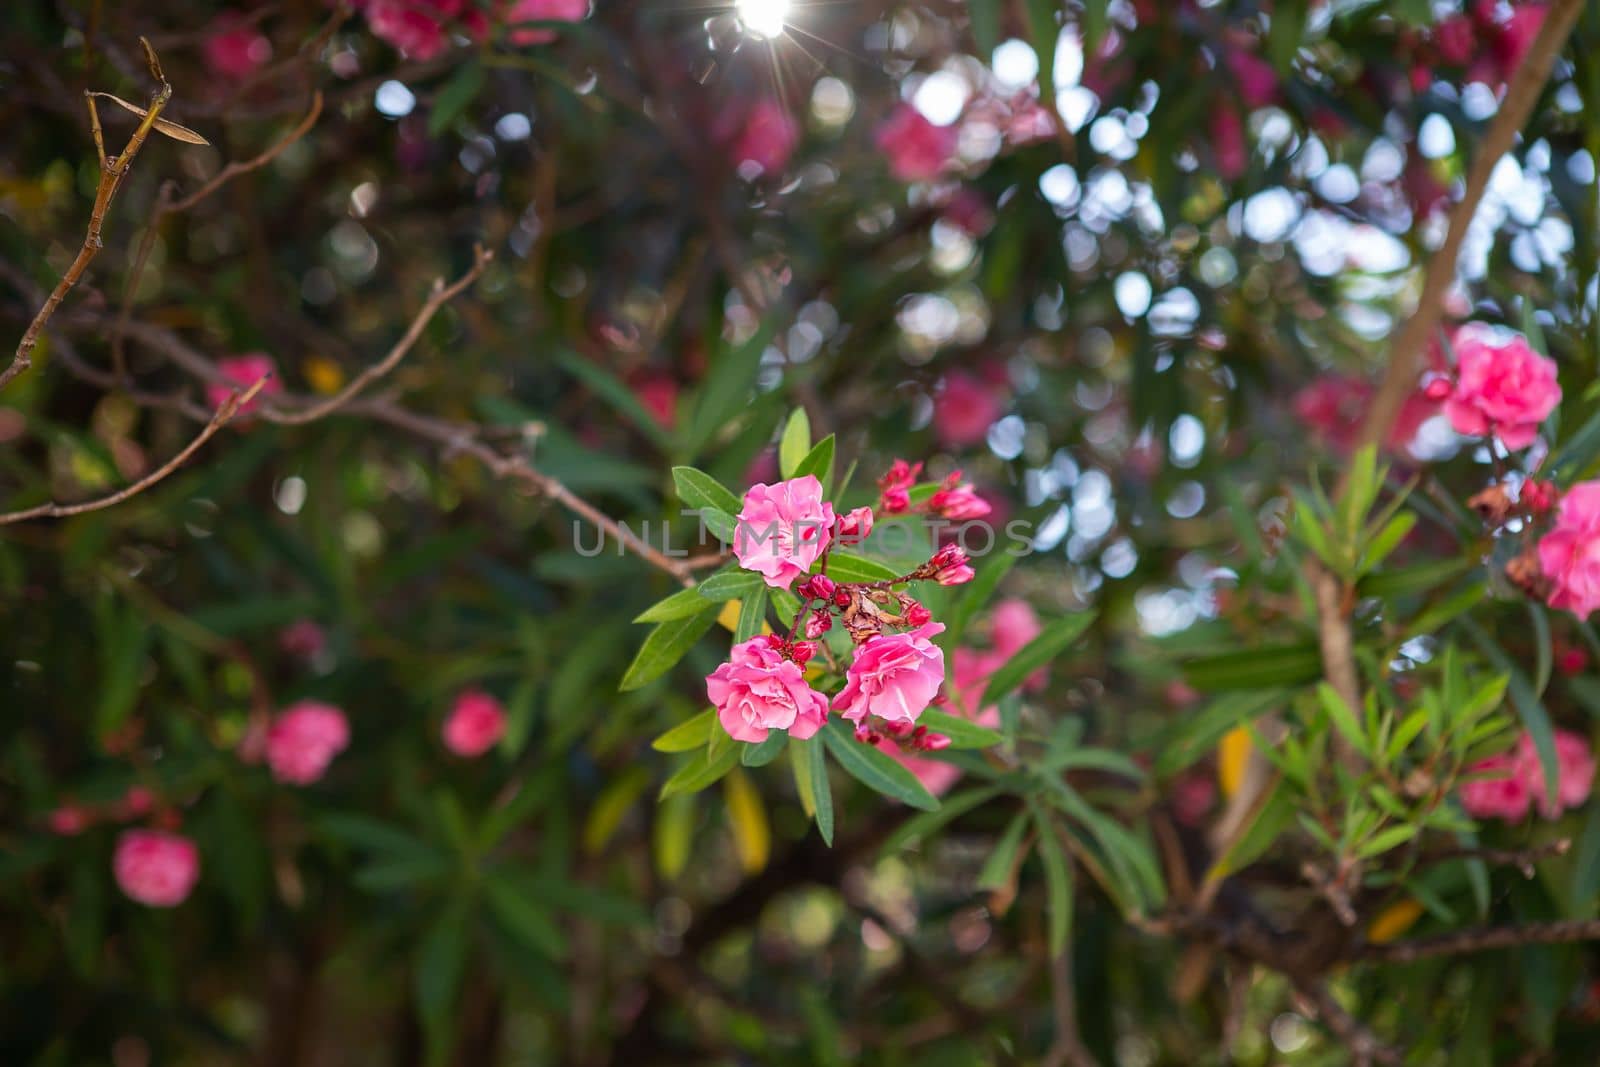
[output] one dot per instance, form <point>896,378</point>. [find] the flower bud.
<point>856,526</point>
<point>817,587</point>
<point>802,651</point>
<point>917,615</point>
<point>935,742</point>
<point>1540,497</point>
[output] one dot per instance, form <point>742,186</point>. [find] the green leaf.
<point>697,489</point>
<point>1387,540</point>
<point>441,959</point>
<point>811,782</point>
<point>1577,453</point>
<point>719,524</point>
<point>1273,814</point>
<point>1257,668</point>
<point>763,753</point>
<point>1343,719</point>
<point>874,769</point>
<point>727,387</point>
<point>730,583</point>
<point>1585,892</point>
<point>1543,652</point>
<point>818,462</point>
<point>679,605</point>
<point>846,567</point>
<point>455,96</point>
<point>1535,719</point>
<point>665,646</point>
<point>998,868</point>
<point>985,19</point>
<point>1057,879</point>
<point>1424,577</point>
<point>1052,641</point>
<point>962,733</point>
<point>914,829</point>
<point>688,736</point>
<point>615,392</point>
<point>700,771</point>
<point>374,836</point>
<point>976,596</point>
<point>795,442</point>
<point>1196,733</point>
<point>1384,840</point>
<point>523,917</point>
<point>752,612</point>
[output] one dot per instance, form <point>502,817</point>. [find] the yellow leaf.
<point>672,834</point>
<point>171,129</point>
<point>1393,921</point>
<point>323,375</point>
<point>730,615</point>
<point>1232,755</point>
<point>752,837</point>
<point>609,808</point>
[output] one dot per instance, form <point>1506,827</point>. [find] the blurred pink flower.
<point>475,724</point>
<point>542,11</point>
<point>421,28</point>
<point>1456,40</point>
<point>1503,388</point>
<point>759,690</point>
<point>155,868</point>
<point>303,639</point>
<point>1192,796</point>
<point>1574,772</point>
<point>1228,146</point>
<point>1569,555</point>
<point>767,137</point>
<point>69,820</point>
<point>303,740</point>
<point>893,676</point>
<point>234,49</point>
<point>783,529</point>
<point>1516,36</point>
<point>1334,405</point>
<point>658,393</point>
<point>1497,790</point>
<point>963,409</point>
<point>917,150</point>
<point>243,372</point>
<point>1257,81</point>
<point>136,803</point>
<point>969,212</point>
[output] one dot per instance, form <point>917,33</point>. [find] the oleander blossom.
<point>542,11</point>
<point>241,373</point>
<point>1569,555</point>
<point>893,676</point>
<point>760,689</point>
<point>783,529</point>
<point>234,49</point>
<point>917,150</point>
<point>476,723</point>
<point>767,138</point>
<point>1503,387</point>
<point>303,740</point>
<point>421,28</point>
<point>1509,785</point>
<point>155,868</point>
<point>964,409</point>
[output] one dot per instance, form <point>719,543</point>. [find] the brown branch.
<point>229,408</point>
<point>1068,1049</point>
<point>1406,353</point>
<point>1522,859</point>
<point>1365,1048</point>
<point>1481,939</point>
<point>112,171</point>
<point>165,206</point>
<point>441,295</point>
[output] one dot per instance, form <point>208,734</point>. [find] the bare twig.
<point>1364,1046</point>
<point>1481,939</point>
<point>1068,1049</point>
<point>166,205</point>
<point>441,295</point>
<point>1522,859</point>
<point>112,171</point>
<point>229,408</point>
<point>1405,354</point>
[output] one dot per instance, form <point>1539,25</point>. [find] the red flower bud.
<point>917,615</point>
<point>818,623</point>
<point>935,742</point>
<point>817,587</point>
<point>802,651</point>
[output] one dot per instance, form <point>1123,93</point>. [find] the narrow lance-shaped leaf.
<point>665,646</point>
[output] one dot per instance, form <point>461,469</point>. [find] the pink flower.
<point>303,740</point>
<point>969,212</point>
<point>1014,626</point>
<point>1192,795</point>
<point>1569,555</point>
<point>475,724</point>
<point>768,137</point>
<point>893,676</point>
<point>235,50</point>
<point>1516,36</point>
<point>136,803</point>
<point>958,502</point>
<point>936,777</point>
<point>542,11</point>
<point>1574,772</point>
<point>1498,789</point>
<point>948,566</point>
<point>303,639</point>
<point>155,868</point>
<point>917,149</point>
<point>895,486</point>
<point>1257,81</point>
<point>1503,388</point>
<point>421,28</point>
<point>1334,405</point>
<point>759,690</point>
<point>855,526</point>
<point>69,820</point>
<point>243,372</point>
<point>658,394</point>
<point>1228,146</point>
<point>964,409</point>
<point>783,529</point>
<point>1456,40</point>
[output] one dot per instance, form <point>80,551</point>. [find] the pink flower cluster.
<point>156,868</point>
<point>1569,554</point>
<point>1502,386</point>
<point>421,28</point>
<point>953,499</point>
<point>766,138</point>
<point>1334,405</point>
<point>476,723</point>
<point>303,740</point>
<point>1508,785</point>
<point>1489,41</point>
<point>785,531</point>
<point>917,150</point>
<point>241,373</point>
